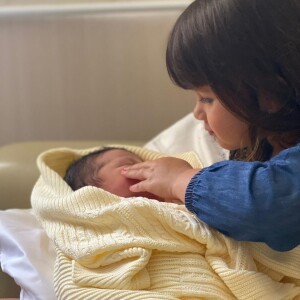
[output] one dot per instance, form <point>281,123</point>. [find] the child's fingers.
<point>138,171</point>
<point>138,187</point>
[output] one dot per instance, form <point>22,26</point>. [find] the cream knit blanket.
<point>136,248</point>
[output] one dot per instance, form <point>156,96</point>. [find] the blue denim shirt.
<point>251,201</point>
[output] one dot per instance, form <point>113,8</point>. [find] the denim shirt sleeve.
<point>251,201</point>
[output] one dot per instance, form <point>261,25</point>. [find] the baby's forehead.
<point>115,154</point>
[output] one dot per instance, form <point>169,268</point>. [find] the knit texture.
<point>111,247</point>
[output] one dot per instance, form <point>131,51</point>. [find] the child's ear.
<point>268,105</point>
<point>273,107</point>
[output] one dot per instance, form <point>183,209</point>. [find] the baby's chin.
<point>129,194</point>
<point>152,196</point>
<point>148,195</point>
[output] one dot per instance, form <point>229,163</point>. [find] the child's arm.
<point>247,201</point>
<point>257,202</point>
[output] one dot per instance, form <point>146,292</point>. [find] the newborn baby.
<point>102,169</point>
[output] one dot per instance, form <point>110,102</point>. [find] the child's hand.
<point>165,177</point>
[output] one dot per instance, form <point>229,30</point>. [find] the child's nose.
<point>198,112</point>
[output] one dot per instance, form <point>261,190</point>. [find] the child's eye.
<point>206,100</point>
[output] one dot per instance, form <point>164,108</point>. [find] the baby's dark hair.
<point>83,171</point>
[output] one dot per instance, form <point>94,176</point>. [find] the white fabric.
<point>27,255</point>
<point>188,134</point>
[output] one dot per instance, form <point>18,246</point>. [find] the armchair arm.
<point>18,170</point>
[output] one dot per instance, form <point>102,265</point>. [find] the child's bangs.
<point>187,63</point>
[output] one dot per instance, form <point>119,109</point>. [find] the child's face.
<point>230,132</point>
<point>111,163</point>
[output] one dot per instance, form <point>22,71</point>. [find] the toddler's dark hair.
<point>83,171</point>
<point>246,51</point>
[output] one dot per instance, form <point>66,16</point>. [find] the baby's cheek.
<point>123,187</point>
<point>142,194</point>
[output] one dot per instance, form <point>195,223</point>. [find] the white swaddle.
<point>136,248</point>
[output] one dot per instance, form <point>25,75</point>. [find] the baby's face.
<point>111,163</point>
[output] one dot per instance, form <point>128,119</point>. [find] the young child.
<point>242,59</point>
<point>102,168</point>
